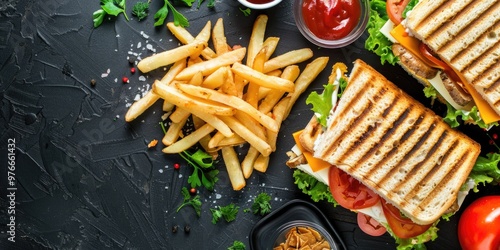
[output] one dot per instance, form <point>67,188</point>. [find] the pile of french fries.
<point>230,102</point>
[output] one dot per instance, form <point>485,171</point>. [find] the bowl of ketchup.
<point>331,23</point>
<point>259,4</point>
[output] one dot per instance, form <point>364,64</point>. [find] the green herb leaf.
<point>261,204</point>
<point>486,170</point>
<point>246,11</point>
<point>140,10</point>
<point>195,201</point>
<point>204,172</point>
<point>237,245</point>
<point>188,2</point>
<point>109,7</point>
<point>179,19</point>
<point>228,212</point>
<point>98,17</point>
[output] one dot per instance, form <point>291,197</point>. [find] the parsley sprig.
<point>204,171</point>
<point>109,7</point>
<point>195,201</point>
<point>141,9</point>
<point>228,212</point>
<point>237,245</point>
<point>261,205</point>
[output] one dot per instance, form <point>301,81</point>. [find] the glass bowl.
<point>259,5</point>
<point>336,43</point>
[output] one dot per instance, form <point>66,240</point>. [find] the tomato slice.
<point>395,10</point>
<point>401,226</point>
<point>349,192</point>
<point>369,225</point>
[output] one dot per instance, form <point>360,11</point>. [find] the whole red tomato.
<point>479,225</point>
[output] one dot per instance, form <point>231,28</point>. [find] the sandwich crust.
<point>466,35</point>
<point>396,146</point>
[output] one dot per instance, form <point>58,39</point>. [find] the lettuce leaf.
<point>377,42</point>
<point>312,187</point>
<point>322,103</point>
<point>486,170</point>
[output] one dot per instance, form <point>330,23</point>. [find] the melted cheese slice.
<point>315,163</point>
<point>487,113</point>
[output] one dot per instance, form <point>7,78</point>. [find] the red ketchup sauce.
<point>331,19</point>
<point>260,1</point>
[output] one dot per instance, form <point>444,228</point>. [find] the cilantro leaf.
<point>188,2</point>
<point>140,10</point>
<point>322,104</point>
<point>204,172</point>
<point>237,245</point>
<point>228,212</point>
<point>179,19</point>
<point>261,204</point>
<point>195,201</point>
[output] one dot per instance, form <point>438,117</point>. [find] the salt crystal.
<point>139,44</point>
<point>160,170</point>
<point>142,78</point>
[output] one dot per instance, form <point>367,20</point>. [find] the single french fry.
<point>271,43</point>
<point>197,79</point>
<point>231,101</point>
<point>170,56</point>
<point>310,73</point>
<point>234,140</point>
<point>189,140</point>
<point>179,114</point>
<point>248,161</point>
<point>219,38</point>
<point>185,37</point>
<point>216,79</point>
<point>233,168</point>
<point>262,79</point>
<point>138,107</point>
<point>194,60</point>
<point>275,72</point>
<point>261,163</point>
<point>252,95</point>
<point>238,128</point>
<point>279,115</point>
<point>182,100</point>
<point>289,58</point>
<point>218,137</point>
<point>173,132</point>
<point>239,83</point>
<point>209,66</point>
<point>256,38</point>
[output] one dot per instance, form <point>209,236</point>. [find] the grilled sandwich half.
<point>466,35</point>
<point>394,145</point>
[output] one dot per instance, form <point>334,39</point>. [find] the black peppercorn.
<point>175,228</point>
<point>187,228</point>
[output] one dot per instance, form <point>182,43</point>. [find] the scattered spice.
<point>132,70</point>
<point>93,82</point>
<point>175,228</point>
<point>152,143</point>
<point>125,79</point>
<point>192,190</point>
<point>177,166</point>
<point>187,229</point>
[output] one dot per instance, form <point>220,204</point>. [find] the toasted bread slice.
<point>396,146</point>
<point>465,34</point>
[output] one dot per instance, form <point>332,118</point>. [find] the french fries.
<point>230,103</point>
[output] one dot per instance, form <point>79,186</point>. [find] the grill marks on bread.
<point>465,34</point>
<point>396,146</point>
